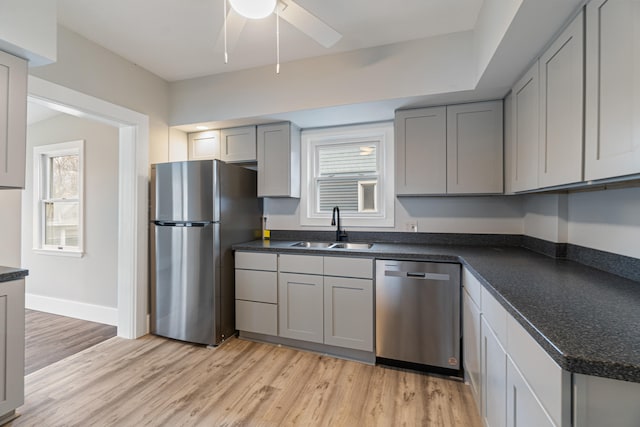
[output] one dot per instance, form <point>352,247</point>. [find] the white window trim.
<point>62,148</point>
<point>382,131</point>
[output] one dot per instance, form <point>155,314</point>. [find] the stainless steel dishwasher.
<point>418,313</point>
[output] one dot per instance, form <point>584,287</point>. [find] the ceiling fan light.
<point>254,9</point>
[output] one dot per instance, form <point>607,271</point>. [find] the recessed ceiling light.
<point>202,127</point>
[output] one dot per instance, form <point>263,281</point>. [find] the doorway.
<point>133,144</point>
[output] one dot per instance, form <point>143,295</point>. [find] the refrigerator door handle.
<point>181,224</point>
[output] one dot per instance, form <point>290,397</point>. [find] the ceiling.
<point>176,39</point>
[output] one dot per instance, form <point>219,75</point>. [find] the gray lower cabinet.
<point>300,307</point>
<point>523,408</point>
<point>11,347</point>
<point>257,293</point>
<point>348,312</point>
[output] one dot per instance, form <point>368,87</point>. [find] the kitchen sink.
<point>317,245</point>
<point>331,245</point>
<point>351,246</point>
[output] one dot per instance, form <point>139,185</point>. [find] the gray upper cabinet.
<point>612,131</point>
<point>456,149</point>
<point>238,145</point>
<point>204,145</point>
<point>525,128</point>
<point>475,148</point>
<point>421,151</point>
<point>13,120</point>
<point>279,160</point>
<point>561,106</point>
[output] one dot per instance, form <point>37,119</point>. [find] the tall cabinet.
<point>278,160</point>
<point>612,109</point>
<point>13,119</point>
<point>561,106</point>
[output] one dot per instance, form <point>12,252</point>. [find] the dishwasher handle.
<point>417,275</point>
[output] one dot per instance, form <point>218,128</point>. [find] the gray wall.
<point>91,279</point>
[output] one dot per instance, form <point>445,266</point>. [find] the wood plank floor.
<point>154,381</point>
<point>50,338</point>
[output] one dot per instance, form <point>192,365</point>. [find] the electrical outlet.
<point>411,226</point>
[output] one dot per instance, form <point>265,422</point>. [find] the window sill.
<point>54,252</point>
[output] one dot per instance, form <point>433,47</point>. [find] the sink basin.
<point>351,246</point>
<point>332,245</point>
<point>318,245</point>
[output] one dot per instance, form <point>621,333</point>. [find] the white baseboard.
<point>75,309</point>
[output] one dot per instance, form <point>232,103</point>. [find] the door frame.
<point>133,188</point>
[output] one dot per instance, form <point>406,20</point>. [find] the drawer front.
<point>257,317</point>
<point>304,264</point>
<point>472,285</point>
<point>261,286</point>
<point>257,261</point>
<point>495,314</point>
<point>348,267</point>
<point>547,380</point>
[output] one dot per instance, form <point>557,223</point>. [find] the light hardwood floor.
<point>50,338</point>
<point>154,381</point>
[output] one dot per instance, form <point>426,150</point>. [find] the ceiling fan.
<point>236,17</point>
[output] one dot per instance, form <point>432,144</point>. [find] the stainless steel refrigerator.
<point>199,209</point>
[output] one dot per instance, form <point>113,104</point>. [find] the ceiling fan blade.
<point>235,25</point>
<point>304,21</point>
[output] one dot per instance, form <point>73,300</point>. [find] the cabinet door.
<point>300,307</point>
<point>348,313</point>
<point>475,148</point>
<point>421,151</point>
<point>523,408</point>
<point>525,131</point>
<point>238,144</point>
<point>278,160</point>
<point>13,120</point>
<point>11,345</point>
<point>204,145</point>
<point>493,378</point>
<point>612,131</point>
<point>471,344</point>
<point>561,105</point>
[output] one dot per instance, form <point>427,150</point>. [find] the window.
<point>350,167</point>
<point>58,207</point>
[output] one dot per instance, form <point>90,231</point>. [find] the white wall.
<point>421,67</point>
<point>91,69</point>
<point>91,279</point>
<point>545,217</point>
<point>28,29</point>
<point>495,214</point>
<point>606,220</point>
<point>10,220</point>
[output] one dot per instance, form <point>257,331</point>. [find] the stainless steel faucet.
<point>340,234</point>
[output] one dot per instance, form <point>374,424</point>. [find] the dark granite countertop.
<point>586,319</point>
<point>8,274</point>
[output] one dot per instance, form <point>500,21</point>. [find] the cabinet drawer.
<point>257,261</point>
<point>547,380</point>
<point>472,285</point>
<point>305,264</point>
<point>348,267</point>
<point>261,286</point>
<point>257,317</point>
<point>495,314</point>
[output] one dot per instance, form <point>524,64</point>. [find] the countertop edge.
<point>8,274</point>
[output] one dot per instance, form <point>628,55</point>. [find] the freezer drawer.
<point>418,312</point>
<point>183,282</point>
